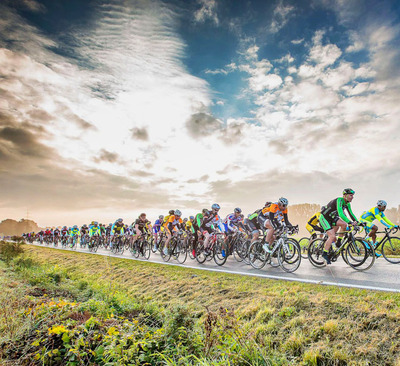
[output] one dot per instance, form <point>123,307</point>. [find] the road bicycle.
<point>94,243</point>
<point>216,249</point>
<point>285,251</point>
<point>117,245</point>
<point>305,242</point>
<point>141,246</point>
<point>176,250</point>
<point>354,251</point>
<point>388,245</point>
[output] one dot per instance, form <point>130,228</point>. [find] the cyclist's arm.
<point>285,216</point>
<point>339,205</point>
<point>385,221</point>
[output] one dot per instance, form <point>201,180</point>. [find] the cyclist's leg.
<point>271,231</point>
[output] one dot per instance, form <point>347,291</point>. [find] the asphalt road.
<point>383,276</point>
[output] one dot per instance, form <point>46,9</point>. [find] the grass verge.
<point>71,308</point>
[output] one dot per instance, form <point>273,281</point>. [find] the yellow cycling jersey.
<point>314,219</point>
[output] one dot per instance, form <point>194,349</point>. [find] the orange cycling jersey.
<point>173,220</point>
<point>274,208</point>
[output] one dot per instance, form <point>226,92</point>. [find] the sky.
<point>113,108</point>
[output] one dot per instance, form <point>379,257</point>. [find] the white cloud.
<point>281,16</point>
<point>297,41</point>
<point>207,11</point>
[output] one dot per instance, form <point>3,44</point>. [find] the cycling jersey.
<point>376,214</point>
<point>189,226</point>
<point>157,225</point>
<point>118,228</point>
<point>275,215</point>
<point>313,224</point>
<point>74,232</point>
<point>335,210</point>
<point>143,225</point>
<point>94,230</point>
<point>173,221</point>
<point>231,222</point>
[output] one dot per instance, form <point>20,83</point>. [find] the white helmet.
<point>381,203</point>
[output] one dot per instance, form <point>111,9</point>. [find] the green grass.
<point>73,308</point>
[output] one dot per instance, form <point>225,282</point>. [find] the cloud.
<point>140,133</point>
<point>297,41</point>
<point>207,11</point>
<point>281,16</point>
<point>202,124</point>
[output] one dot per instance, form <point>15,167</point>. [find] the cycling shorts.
<point>368,225</point>
<point>328,223</point>
<point>253,226</point>
<point>312,230</point>
<point>207,229</point>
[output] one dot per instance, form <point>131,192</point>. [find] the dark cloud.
<point>22,142</point>
<point>202,124</point>
<point>80,122</point>
<point>281,147</point>
<point>233,133</point>
<point>140,133</point>
<point>107,156</point>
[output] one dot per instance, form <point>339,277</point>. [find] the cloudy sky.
<point>110,108</point>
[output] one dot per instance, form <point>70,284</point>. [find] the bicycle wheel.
<point>289,255</point>
<point>238,249</point>
<point>315,251</point>
<point>357,255</point>
<point>166,256</point>
<point>200,255</point>
<point>245,252</point>
<point>134,248</point>
<point>191,248</point>
<point>181,251</point>
<point>257,255</point>
<point>304,242</point>
<point>219,252</point>
<point>146,249</point>
<point>391,249</point>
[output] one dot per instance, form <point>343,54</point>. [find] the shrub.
<point>9,251</point>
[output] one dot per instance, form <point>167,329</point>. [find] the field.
<point>79,309</point>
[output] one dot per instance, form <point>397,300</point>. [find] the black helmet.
<point>348,191</point>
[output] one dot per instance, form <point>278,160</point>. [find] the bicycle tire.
<point>220,254</point>
<point>304,242</point>
<point>289,255</point>
<point>257,256</point>
<point>315,251</point>
<point>146,249</point>
<point>165,257</point>
<point>182,252</point>
<point>391,249</point>
<point>357,254</point>
<point>136,247</point>
<point>200,255</point>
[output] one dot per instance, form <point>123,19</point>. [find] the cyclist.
<point>333,218</point>
<point>118,227</point>
<point>273,218</point>
<point>74,233</point>
<point>375,213</point>
<point>142,226</point>
<point>156,228</point>
<point>94,229</point>
<point>189,225</point>
<point>313,225</point>
<point>174,222</point>
<point>210,222</point>
<point>253,223</point>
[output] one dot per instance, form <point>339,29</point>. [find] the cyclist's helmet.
<point>171,212</point>
<point>381,203</point>
<point>110,224</point>
<point>348,191</point>
<point>215,206</point>
<point>178,213</point>
<point>95,223</point>
<point>185,219</point>
<point>283,201</point>
<point>238,210</point>
<point>64,227</point>
<point>161,217</point>
<point>191,217</point>
<point>205,211</point>
<point>267,203</point>
<point>120,220</point>
<point>75,226</point>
